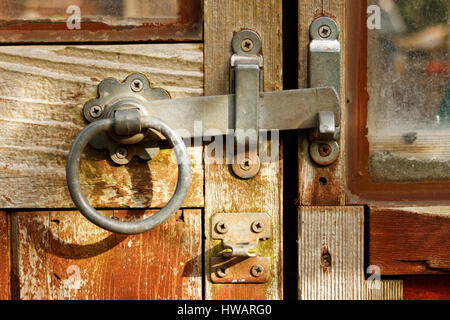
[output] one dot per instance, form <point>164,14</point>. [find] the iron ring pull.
<point>131,227</point>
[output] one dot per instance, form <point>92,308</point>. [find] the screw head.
<point>221,272</point>
<point>246,164</point>
<point>121,153</point>
<point>325,150</point>
<point>221,227</point>
<point>257,270</point>
<point>247,45</point>
<point>257,226</point>
<point>95,111</point>
<point>137,85</point>
<point>246,167</point>
<point>325,31</point>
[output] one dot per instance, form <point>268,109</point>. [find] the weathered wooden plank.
<point>331,257</point>
<point>223,191</point>
<point>5,274</point>
<point>321,185</point>
<point>426,287</point>
<point>32,21</point>
<point>42,92</point>
<point>410,240</point>
<point>410,155</point>
<point>61,255</point>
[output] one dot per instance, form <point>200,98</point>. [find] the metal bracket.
<point>324,70</point>
<point>246,83</point>
<point>244,113</point>
<point>240,234</point>
<point>129,94</point>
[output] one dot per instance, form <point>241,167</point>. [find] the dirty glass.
<point>408,84</point>
<point>113,12</point>
<point>99,20</point>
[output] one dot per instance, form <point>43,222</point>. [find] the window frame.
<point>188,28</point>
<point>360,188</point>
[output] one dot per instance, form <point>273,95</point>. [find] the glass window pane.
<point>46,20</point>
<point>408,84</point>
<point>114,12</point>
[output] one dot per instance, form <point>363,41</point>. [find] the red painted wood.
<point>426,288</point>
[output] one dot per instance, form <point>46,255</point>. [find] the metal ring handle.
<point>132,227</point>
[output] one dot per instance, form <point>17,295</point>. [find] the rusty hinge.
<point>240,234</point>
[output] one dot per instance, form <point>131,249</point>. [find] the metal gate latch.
<point>125,116</point>
<point>240,234</point>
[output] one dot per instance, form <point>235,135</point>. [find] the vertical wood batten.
<point>331,257</point>
<point>311,191</point>
<point>223,191</point>
<point>5,274</point>
<point>410,240</point>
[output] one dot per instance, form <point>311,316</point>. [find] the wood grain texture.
<point>426,287</point>
<point>416,144</point>
<point>42,92</point>
<point>311,191</point>
<point>331,257</point>
<point>5,273</point>
<point>410,240</point>
<point>223,191</point>
<point>61,255</point>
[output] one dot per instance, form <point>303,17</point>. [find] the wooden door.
<point>381,211</point>
<point>335,230</point>
<point>48,249</point>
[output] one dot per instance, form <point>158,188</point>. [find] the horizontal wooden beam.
<point>412,240</point>
<point>42,95</point>
<point>429,287</point>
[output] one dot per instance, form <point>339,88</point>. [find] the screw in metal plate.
<point>121,153</point>
<point>325,31</point>
<point>221,272</point>
<point>257,226</point>
<point>257,270</point>
<point>137,85</point>
<point>325,150</point>
<point>247,45</point>
<point>246,164</point>
<point>95,111</point>
<point>221,227</point>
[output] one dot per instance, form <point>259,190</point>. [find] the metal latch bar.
<point>246,109</point>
